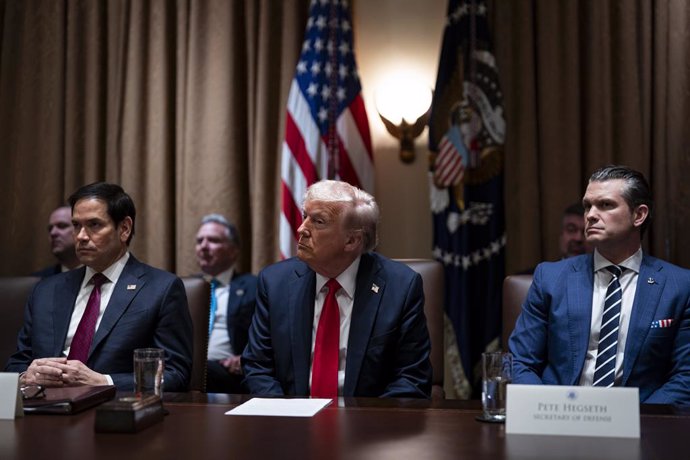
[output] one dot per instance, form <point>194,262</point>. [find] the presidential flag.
<point>466,132</point>
<point>326,129</point>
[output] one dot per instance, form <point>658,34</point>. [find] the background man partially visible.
<point>376,341</point>
<point>81,326</point>
<point>617,317</point>
<point>232,308</point>
<point>61,237</point>
<point>572,239</point>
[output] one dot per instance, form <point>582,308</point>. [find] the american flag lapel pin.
<point>375,288</point>
<point>131,287</point>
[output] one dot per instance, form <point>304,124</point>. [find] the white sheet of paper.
<point>276,407</point>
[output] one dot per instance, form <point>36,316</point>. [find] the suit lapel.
<point>579,288</point>
<point>364,310</point>
<point>65,297</point>
<point>643,310</point>
<point>122,296</point>
<point>300,299</point>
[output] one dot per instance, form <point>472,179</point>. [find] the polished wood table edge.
<point>470,405</point>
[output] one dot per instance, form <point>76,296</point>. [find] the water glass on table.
<point>149,365</point>
<point>497,373</point>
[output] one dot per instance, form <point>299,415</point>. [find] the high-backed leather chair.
<point>515,289</point>
<point>433,277</point>
<point>14,291</point>
<point>198,299</point>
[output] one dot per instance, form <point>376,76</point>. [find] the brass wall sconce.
<point>397,103</point>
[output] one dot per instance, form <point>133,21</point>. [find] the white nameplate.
<point>10,398</point>
<point>573,411</point>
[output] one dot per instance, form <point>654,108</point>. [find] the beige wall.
<point>405,35</point>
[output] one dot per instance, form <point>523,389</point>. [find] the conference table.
<point>351,428</point>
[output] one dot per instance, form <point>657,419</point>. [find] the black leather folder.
<point>69,400</point>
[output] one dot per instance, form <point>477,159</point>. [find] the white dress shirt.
<point>345,298</point>
<point>602,278</point>
<point>113,274</point>
<point>219,343</point>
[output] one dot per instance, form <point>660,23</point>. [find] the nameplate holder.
<point>10,397</point>
<point>573,411</point>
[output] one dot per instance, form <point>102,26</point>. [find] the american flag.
<point>453,157</point>
<point>326,129</point>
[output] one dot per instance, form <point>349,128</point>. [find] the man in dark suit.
<point>232,303</point>
<point>614,317</point>
<point>60,233</point>
<point>338,319</point>
<point>82,326</point>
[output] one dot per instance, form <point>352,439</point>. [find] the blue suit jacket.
<point>153,314</point>
<point>551,335</point>
<point>388,347</point>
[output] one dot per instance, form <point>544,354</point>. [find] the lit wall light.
<point>398,101</point>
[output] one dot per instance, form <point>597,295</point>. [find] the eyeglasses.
<point>33,392</point>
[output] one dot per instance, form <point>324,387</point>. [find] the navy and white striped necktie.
<point>605,368</point>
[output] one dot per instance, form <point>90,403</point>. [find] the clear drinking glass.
<point>497,373</point>
<point>149,365</point>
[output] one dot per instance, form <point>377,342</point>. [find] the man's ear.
<point>125,229</point>
<point>640,214</point>
<point>354,241</point>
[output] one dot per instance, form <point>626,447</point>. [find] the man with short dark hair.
<point>338,319</point>
<point>82,326</point>
<point>616,317</point>
<point>60,234</point>
<point>572,242</point>
<point>233,298</point>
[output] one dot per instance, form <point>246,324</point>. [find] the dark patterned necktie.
<point>324,375</point>
<point>81,342</point>
<point>605,368</point>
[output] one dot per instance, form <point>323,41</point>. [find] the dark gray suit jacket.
<point>152,314</point>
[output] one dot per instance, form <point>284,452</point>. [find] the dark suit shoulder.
<point>48,271</point>
<point>245,278</point>
<point>284,267</point>
<point>138,268</point>
<point>391,268</point>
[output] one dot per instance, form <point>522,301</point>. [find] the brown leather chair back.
<point>433,277</point>
<point>198,299</point>
<point>14,292</point>
<point>515,289</point>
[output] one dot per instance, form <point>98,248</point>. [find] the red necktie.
<point>324,375</point>
<point>81,343</point>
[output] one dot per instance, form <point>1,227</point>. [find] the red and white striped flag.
<point>326,129</point>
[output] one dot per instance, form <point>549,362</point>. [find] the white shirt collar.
<point>631,263</point>
<point>347,279</point>
<point>223,277</point>
<point>112,273</point>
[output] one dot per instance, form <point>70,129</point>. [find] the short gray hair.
<point>361,211</point>
<point>230,229</point>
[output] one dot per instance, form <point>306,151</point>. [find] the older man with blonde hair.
<point>338,319</point>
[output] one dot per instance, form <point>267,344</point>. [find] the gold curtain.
<point>589,83</point>
<point>180,102</point>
